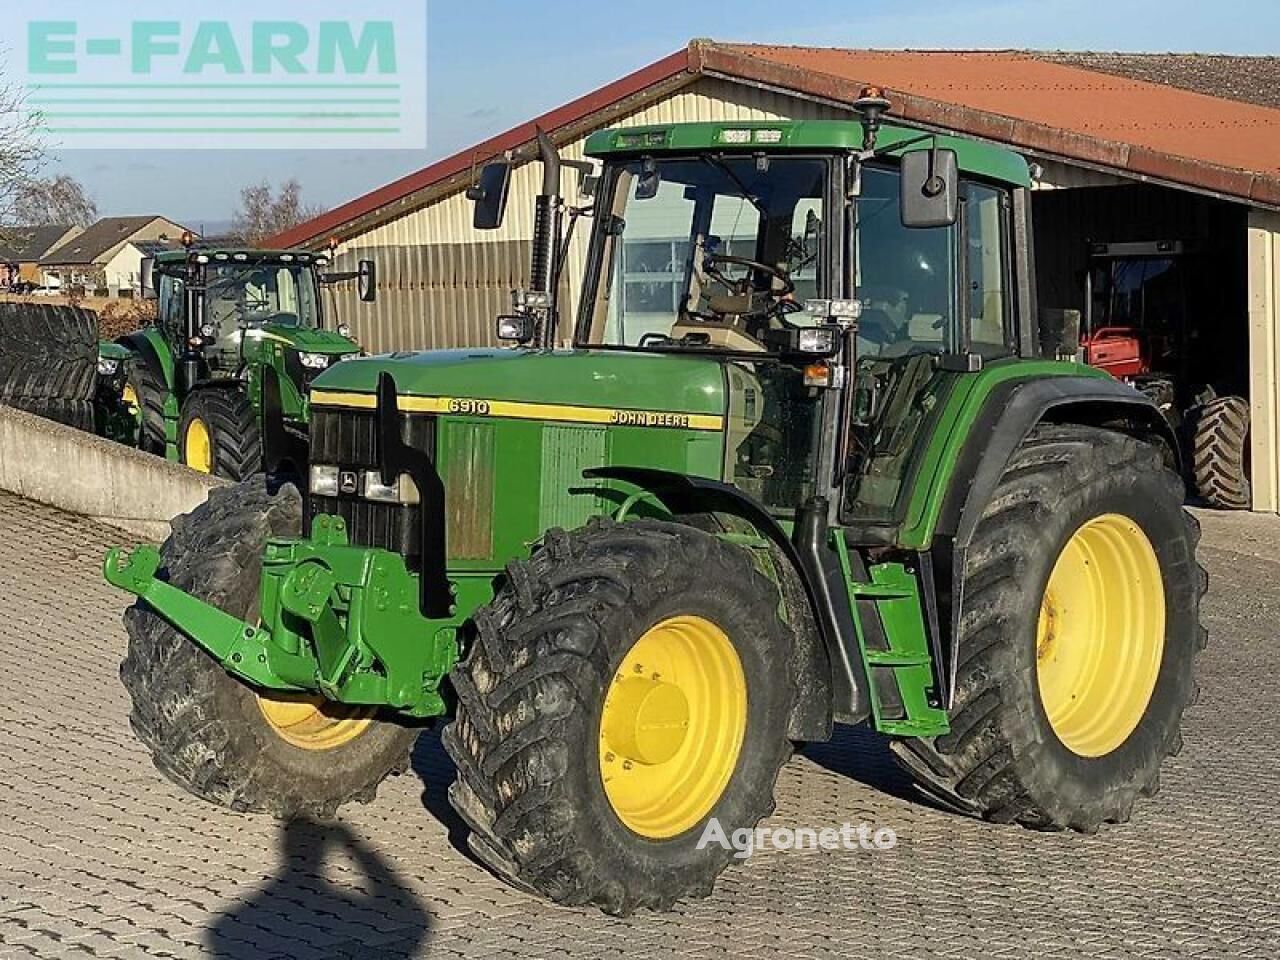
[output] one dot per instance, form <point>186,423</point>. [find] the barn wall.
<point>1264,357</point>
<point>442,283</point>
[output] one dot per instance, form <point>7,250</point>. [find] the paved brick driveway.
<point>100,856</point>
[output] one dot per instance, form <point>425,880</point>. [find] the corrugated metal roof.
<point>1016,98</point>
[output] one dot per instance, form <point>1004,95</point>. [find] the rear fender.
<point>1008,416</point>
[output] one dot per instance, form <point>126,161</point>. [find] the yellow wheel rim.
<point>672,727</point>
<point>1100,637</point>
<point>313,723</point>
<point>197,447</point>
<point>129,397</point>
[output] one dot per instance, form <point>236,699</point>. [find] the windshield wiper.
<point>746,193</point>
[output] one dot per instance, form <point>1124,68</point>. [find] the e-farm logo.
<point>251,74</point>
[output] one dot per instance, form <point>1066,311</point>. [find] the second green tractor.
<point>239,334</point>
<point>800,459</point>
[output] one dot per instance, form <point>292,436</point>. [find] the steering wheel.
<point>743,285</point>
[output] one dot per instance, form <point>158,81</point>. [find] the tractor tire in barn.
<point>1220,453</point>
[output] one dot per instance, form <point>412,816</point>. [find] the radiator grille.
<point>347,439</point>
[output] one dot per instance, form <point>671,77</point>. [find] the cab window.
<point>905,276</point>
<point>987,268</point>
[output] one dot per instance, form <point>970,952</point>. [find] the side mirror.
<point>367,281</point>
<point>490,195</point>
<point>930,188</point>
<point>649,181</point>
<point>147,278</point>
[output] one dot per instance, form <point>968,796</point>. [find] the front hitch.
<point>337,620</point>
<point>240,647</point>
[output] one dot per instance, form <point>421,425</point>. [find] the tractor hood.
<point>303,339</point>
<point>619,383</point>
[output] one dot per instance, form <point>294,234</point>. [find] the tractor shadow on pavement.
<point>301,911</point>
<point>863,756</point>
<point>436,771</point>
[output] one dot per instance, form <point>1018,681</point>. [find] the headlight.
<point>108,367</point>
<point>821,340</point>
<point>315,361</point>
<point>324,480</point>
<point>404,490</point>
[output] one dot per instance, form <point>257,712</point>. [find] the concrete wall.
<point>1264,357</point>
<point>86,475</point>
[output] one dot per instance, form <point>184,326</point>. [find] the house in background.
<point>22,248</point>
<point>108,256</point>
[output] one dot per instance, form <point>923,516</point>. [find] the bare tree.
<point>61,200</point>
<point>265,211</point>
<point>21,149</point>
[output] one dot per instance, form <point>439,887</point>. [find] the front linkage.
<point>352,624</point>
<point>337,620</point>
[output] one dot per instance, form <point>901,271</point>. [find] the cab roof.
<point>239,255</point>
<point>974,157</point>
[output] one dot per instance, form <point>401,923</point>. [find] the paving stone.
<point>101,856</point>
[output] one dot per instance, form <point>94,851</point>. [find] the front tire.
<point>220,434</point>
<point>215,736</point>
<point>628,684</point>
<point>1077,639</point>
<point>148,392</point>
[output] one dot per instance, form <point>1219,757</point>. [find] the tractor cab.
<point>1136,324</point>
<point>841,274</point>
<point>224,307</point>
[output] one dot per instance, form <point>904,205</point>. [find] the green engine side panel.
<point>950,431</point>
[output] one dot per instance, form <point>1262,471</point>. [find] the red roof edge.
<point>687,60</point>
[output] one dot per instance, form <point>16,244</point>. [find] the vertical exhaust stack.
<point>546,238</point>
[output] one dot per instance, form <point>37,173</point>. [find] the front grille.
<point>347,439</point>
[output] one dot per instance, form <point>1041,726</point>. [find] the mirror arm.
<point>935,185</point>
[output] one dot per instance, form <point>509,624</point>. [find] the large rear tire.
<point>1220,453</point>
<point>220,434</point>
<point>215,736</point>
<point>1077,639</point>
<point>628,684</point>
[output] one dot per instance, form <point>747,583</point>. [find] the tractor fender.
<point>810,717</point>
<point>149,347</point>
<point>1007,418</point>
<point>1014,409</point>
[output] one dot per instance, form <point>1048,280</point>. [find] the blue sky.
<point>495,64</point>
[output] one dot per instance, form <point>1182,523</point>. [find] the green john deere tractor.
<point>799,464</point>
<point>239,332</point>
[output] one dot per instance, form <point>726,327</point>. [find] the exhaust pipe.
<point>546,236</point>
